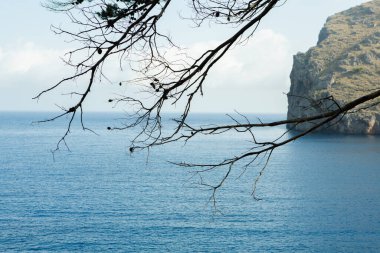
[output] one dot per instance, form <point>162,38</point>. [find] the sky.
<point>253,78</point>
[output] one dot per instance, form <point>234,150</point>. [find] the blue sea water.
<point>319,194</point>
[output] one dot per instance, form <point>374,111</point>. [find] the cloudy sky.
<point>251,79</point>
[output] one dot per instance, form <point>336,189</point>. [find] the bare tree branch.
<point>130,30</point>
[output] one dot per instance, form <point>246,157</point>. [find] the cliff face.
<point>344,65</point>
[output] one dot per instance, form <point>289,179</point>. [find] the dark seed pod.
<point>100,51</point>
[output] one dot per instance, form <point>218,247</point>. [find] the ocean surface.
<point>318,194</point>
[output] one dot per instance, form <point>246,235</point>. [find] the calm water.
<point>319,194</point>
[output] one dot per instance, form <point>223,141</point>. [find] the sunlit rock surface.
<point>343,66</point>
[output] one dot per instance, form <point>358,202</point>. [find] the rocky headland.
<point>343,66</point>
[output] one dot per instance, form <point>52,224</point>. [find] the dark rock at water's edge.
<point>343,66</point>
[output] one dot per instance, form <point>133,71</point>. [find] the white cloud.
<point>263,58</point>
<point>241,80</point>
<point>259,62</point>
<point>26,58</point>
<point>27,69</point>
<point>251,77</point>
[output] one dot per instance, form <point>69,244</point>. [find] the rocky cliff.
<point>343,66</point>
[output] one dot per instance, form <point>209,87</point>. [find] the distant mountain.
<point>345,64</point>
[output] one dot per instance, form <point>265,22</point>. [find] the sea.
<point>320,193</point>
